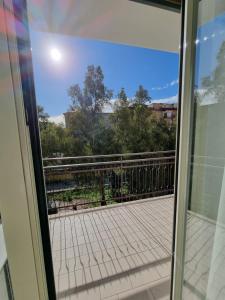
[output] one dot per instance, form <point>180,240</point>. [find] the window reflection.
<point>204,265</point>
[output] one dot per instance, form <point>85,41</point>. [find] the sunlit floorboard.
<point>121,251</point>
<point>204,263</point>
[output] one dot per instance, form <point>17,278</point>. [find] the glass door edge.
<point>189,31</point>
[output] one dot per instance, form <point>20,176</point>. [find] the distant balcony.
<point>111,226</point>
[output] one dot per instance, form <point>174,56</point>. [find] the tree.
<point>142,97</point>
<point>214,83</point>
<point>122,98</point>
<point>94,95</point>
<point>42,116</point>
<point>88,104</point>
<point>136,129</point>
<point>163,135</point>
<point>141,124</point>
<point>57,141</point>
<point>132,122</point>
<point>121,120</point>
<point>131,128</point>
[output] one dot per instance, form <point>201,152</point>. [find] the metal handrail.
<point>100,183</point>
<point>108,163</point>
<point>107,155</point>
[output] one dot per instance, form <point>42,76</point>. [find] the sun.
<point>56,55</point>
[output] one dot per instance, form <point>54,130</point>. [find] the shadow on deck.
<point>120,251</point>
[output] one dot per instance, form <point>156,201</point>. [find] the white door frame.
<point>18,200</point>
<point>186,117</point>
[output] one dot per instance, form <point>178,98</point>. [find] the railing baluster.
<point>102,189</point>
<point>85,185</point>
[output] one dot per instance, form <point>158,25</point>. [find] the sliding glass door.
<point>201,257</point>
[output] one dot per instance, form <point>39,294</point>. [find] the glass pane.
<point>204,265</point>
<point>107,106</point>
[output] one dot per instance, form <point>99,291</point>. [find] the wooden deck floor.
<point>120,251</point>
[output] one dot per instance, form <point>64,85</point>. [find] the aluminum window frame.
<point>185,144</point>
<point>18,201</point>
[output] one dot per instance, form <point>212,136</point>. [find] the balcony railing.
<point>90,181</point>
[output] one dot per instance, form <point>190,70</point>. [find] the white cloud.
<point>166,86</point>
<point>169,100</point>
<point>204,98</point>
<point>109,108</point>
<point>174,82</point>
<point>57,119</point>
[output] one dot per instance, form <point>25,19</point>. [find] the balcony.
<point>111,225</point>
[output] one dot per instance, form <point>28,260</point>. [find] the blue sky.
<point>210,37</point>
<point>123,66</point>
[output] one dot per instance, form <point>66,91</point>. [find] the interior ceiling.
<point>117,21</point>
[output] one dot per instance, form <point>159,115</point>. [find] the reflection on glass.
<point>204,265</point>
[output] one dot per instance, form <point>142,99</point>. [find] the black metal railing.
<point>90,181</point>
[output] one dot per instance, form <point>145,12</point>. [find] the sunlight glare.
<point>55,55</point>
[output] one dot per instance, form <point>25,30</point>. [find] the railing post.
<point>126,180</point>
<point>102,189</point>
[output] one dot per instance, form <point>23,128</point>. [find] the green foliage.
<point>92,196</point>
<point>42,115</point>
<point>87,104</point>
<point>214,83</point>
<point>131,128</point>
<point>136,130</point>
<point>142,97</point>
<point>163,136</point>
<point>56,141</point>
<point>94,94</point>
<point>122,98</point>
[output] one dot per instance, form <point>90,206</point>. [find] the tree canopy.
<point>130,128</point>
<point>214,83</point>
<point>94,94</point>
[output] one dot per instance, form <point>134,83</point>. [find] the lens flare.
<point>55,55</point>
